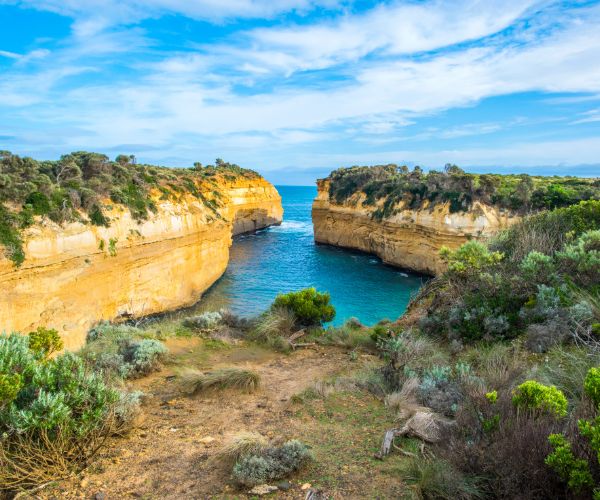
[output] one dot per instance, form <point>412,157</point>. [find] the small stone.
<point>100,496</point>
<point>305,486</point>
<point>84,482</point>
<point>173,429</point>
<point>262,489</point>
<point>284,485</point>
<point>207,440</point>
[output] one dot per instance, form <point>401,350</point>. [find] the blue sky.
<point>295,88</point>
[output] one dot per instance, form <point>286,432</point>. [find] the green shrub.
<point>208,319</point>
<point>581,259</point>
<point>55,413</point>
<point>309,306</point>
<point>120,351</point>
<point>10,385</point>
<point>574,471</point>
<point>271,464</point>
<point>45,341</point>
<point>591,385</point>
<point>533,396</point>
<point>470,257</point>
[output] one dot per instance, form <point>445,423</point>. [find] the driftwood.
<point>306,344</point>
<point>297,335</point>
<point>424,425</point>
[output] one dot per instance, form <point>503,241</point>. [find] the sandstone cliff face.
<point>409,239</point>
<point>78,274</point>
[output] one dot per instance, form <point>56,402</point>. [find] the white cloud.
<point>371,82</point>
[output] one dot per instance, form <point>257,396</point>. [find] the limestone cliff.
<point>409,238</point>
<point>77,274</point>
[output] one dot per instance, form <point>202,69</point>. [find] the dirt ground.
<point>171,454</point>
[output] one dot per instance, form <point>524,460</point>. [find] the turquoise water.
<point>285,258</point>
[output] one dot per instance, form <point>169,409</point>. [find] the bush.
<point>54,413</point>
<point>536,397</point>
<point>591,385</point>
<point>225,378</point>
<point>471,257</point>
<point>45,341</point>
<point>310,307</point>
<point>118,350</point>
<point>203,321</point>
<point>581,259</point>
<point>271,464</point>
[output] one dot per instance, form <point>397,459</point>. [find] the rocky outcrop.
<point>410,239</point>
<point>75,275</point>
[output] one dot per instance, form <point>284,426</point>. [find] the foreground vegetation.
<point>79,186</point>
<point>489,385</point>
<point>387,187</point>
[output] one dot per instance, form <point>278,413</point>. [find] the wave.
<point>294,226</point>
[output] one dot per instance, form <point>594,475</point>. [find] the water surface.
<point>285,258</point>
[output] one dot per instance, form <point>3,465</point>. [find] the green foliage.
<point>536,397</point>
<point>271,464</point>
<point>473,256</point>
<point>574,471</point>
<point>437,478</point>
<point>309,306</point>
<point>45,341</point>
<point>75,187</point>
<point>121,351</point>
<point>581,259</point>
<point>492,396</point>
<point>10,385</point>
<point>49,406</point>
<point>591,385</point>
<point>388,187</point>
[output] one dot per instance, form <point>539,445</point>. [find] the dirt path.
<point>169,455</point>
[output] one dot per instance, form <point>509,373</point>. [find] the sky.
<point>296,88</point>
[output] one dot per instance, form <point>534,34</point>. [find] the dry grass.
<point>195,382</point>
<point>404,402</point>
<point>241,444</point>
<point>27,461</point>
<point>277,322</point>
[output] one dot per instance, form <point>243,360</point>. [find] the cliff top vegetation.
<point>386,186</point>
<point>74,188</point>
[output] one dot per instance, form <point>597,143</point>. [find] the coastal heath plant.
<point>311,308</point>
<point>536,397</point>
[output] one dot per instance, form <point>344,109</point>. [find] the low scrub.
<point>196,382</point>
<point>271,463</point>
<point>55,413</point>
<point>121,350</point>
<point>434,478</point>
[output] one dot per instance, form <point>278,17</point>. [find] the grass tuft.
<point>196,382</point>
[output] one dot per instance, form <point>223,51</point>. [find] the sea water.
<point>285,258</point>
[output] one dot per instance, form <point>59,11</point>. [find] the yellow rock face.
<point>77,275</point>
<point>409,239</point>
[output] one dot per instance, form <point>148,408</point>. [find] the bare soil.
<point>171,454</point>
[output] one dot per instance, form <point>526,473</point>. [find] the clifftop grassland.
<point>77,187</point>
<point>386,188</point>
